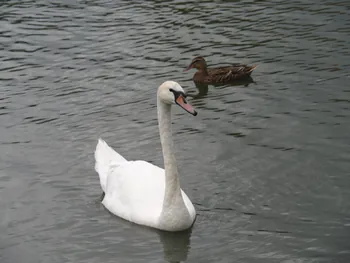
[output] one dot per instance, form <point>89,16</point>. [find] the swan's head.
<point>170,92</point>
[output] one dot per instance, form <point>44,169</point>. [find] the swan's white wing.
<point>105,159</point>
<point>135,192</point>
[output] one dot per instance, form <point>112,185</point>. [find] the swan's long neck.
<point>172,184</point>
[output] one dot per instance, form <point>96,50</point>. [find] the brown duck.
<point>218,75</point>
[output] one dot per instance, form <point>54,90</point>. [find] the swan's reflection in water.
<point>176,245</point>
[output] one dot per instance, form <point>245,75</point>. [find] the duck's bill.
<point>188,68</point>
<point>181,101</point>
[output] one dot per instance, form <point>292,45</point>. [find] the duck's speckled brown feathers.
<point>219,75</point>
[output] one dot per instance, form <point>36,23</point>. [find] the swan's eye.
<point>171,90</point>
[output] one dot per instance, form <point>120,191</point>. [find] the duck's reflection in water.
<point>203,89</point>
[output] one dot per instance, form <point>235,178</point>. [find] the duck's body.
<point>141,192</point>
<point>219,75</point>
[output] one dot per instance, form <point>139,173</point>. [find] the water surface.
<point>266,164</point>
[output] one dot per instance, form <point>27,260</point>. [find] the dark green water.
<point>266,164</point>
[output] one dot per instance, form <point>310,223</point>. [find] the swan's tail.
<point>105,158</point>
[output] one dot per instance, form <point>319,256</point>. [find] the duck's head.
<point>170,92</point>
<point>198,63</point>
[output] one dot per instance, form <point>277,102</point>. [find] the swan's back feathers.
<point>105,159</point>
<point>135,191</point>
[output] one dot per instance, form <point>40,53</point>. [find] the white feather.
<point>137,190</point>
<point>105,158</point>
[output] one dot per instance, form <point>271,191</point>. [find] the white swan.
<point>141,192</point>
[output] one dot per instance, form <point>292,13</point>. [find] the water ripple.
<point>276,147</point>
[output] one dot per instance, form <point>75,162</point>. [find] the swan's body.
<point>141,192</point>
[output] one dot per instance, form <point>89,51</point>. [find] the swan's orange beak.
<point>181,101</point>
